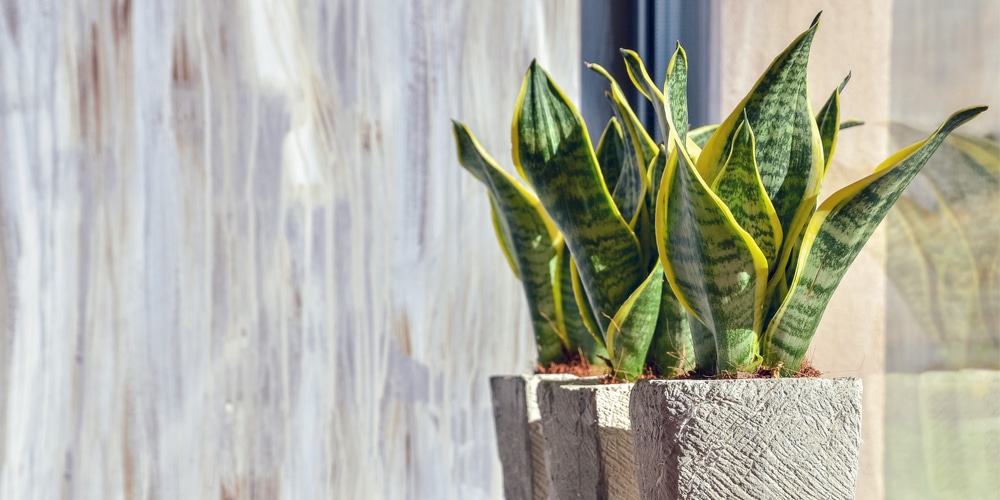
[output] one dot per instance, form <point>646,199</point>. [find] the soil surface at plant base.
<point>574,364</point>
<point>579,366</point>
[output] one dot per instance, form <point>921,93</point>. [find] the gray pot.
<point>747,438</point>
<point>588,440</point>
<point>519,434</point>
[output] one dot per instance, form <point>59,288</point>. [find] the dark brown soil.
<point>806,370</point>
<point>575,364</point>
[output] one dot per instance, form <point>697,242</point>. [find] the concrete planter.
<point>519,434</point>
<point>588,440</point>
<point>747,438</point>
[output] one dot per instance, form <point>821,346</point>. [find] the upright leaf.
<point>833,239</point>
<point>579,338</point>
<point>632,128</point>
<point>552,149</point>
<point>789,152</point>
<point>631,331</point>
<point>740,188</point>
<point>671,351</point>
<point>529,236</point>
<point>631,186</point>
<point>828,122</point>
<point>713,266</point>
<point>611,153</point>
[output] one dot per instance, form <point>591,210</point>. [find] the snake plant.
<point>726,216</point>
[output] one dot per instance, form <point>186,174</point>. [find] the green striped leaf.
<point>833,239</point>
<point>671,352</point>
<point>503,238</point>
<point>611,153</point>
<point>851,124</point>
<point>789,151</point>
<point>529,239</point>
<point>578,336</point>
<point>640,78</point>
<point>701,135</point>
<point>552,150</point>
<point>628,192</point>
<point>583,305</point>
<point>828,122</point>
<point>739,186</point>
<point>632,328</point>
<point>675,90</point>
<point>670,104</point>
<point>713,266</point>
<point>632,128</point>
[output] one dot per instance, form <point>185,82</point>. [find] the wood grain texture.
<point>239,257</point>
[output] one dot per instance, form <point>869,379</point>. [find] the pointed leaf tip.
<point>844,83</point>
<point>815,21</point>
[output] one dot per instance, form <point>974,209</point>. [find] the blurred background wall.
<point>240,260</point>
<point>239,257</point>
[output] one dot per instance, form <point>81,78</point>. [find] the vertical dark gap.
<point>605,27</point>
<point>651,28</point>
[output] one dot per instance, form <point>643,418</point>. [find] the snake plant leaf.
<point>789,151</point>
<point>675,90</point>
<point>578,336</point>
<point>628,192</point>
<point>503,238</point>
<point>828,122</point>
<point>529,235</point>
<point>701,135</point>
<point>713,266</point>
<point>640,78</point>
<point>739,186</point>
<point>583,305</point>
<point>631,330</point>
<point>552,150</point>
<point>850,124</point>
<point>655,172</point>
<point>671,352</point>
<point>611,152</point>
<point>644,145</point>
<point>834,237</point>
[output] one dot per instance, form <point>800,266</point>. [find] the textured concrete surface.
<point>747,439</point>
<point>588,440</point>
<point>519,434</point>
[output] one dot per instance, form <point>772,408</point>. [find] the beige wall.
<point>854,36</point>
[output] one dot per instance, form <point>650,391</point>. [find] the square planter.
<point>519,434</point>
<point>588,440</point>
<point>747,438</point>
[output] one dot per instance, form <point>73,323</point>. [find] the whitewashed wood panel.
<point>239,257</point>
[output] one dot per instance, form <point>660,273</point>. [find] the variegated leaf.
<point>552,149</point>
<point>611,153</point>
<point>529,237</point>
<point>644,145</point>
<point>739,186</point>
<point>833,239</point>
<point>671,352</point>
<point>583,305</point>
<point>701,135</point>
<point>828,121</point>
<point>713,266</point>
<point>631,330</point>
<point>789,151</point>
<point>630,189</point>
<point>579,338</point>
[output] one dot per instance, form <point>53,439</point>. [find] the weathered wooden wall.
<point>238,257</point>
